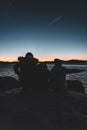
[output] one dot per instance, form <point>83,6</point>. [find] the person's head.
<point>58,62</point>
<point>29,55</point>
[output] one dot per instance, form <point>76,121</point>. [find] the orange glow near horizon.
<point>11,59</point>
<point>62,58</point>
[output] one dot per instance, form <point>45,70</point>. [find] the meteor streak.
<point>55,20</point>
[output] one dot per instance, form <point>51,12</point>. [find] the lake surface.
<point>7,70</point>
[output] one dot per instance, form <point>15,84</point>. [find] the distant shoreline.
<point>76,62</point>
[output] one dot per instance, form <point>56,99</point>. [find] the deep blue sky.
<point>48,29</point>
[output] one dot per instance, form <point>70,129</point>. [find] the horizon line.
<point>68,59</point>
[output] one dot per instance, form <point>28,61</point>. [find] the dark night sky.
<point>48,29</point>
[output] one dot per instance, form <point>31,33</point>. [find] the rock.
<point>7,83</point>
<point>75,85</point>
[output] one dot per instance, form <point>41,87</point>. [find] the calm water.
<point>7,70</point>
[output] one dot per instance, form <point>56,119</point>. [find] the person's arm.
<point>17,68</point>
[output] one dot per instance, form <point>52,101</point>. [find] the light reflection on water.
<point>82,76</point>
<point>7,70</point>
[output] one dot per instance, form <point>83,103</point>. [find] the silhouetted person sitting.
<point>29,72</point>
<point>26,69</point>
<point>58,74</point>
<point>42,78</point>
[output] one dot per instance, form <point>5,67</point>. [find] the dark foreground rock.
<point>75,85</point>
<point>65,111</point>
<point>7,83</point>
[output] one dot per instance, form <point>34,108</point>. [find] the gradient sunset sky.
<point>47,28</point>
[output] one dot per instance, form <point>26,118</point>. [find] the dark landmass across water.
<point>5,63</point>
<point>77,62</point>
<point>83,62</point>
